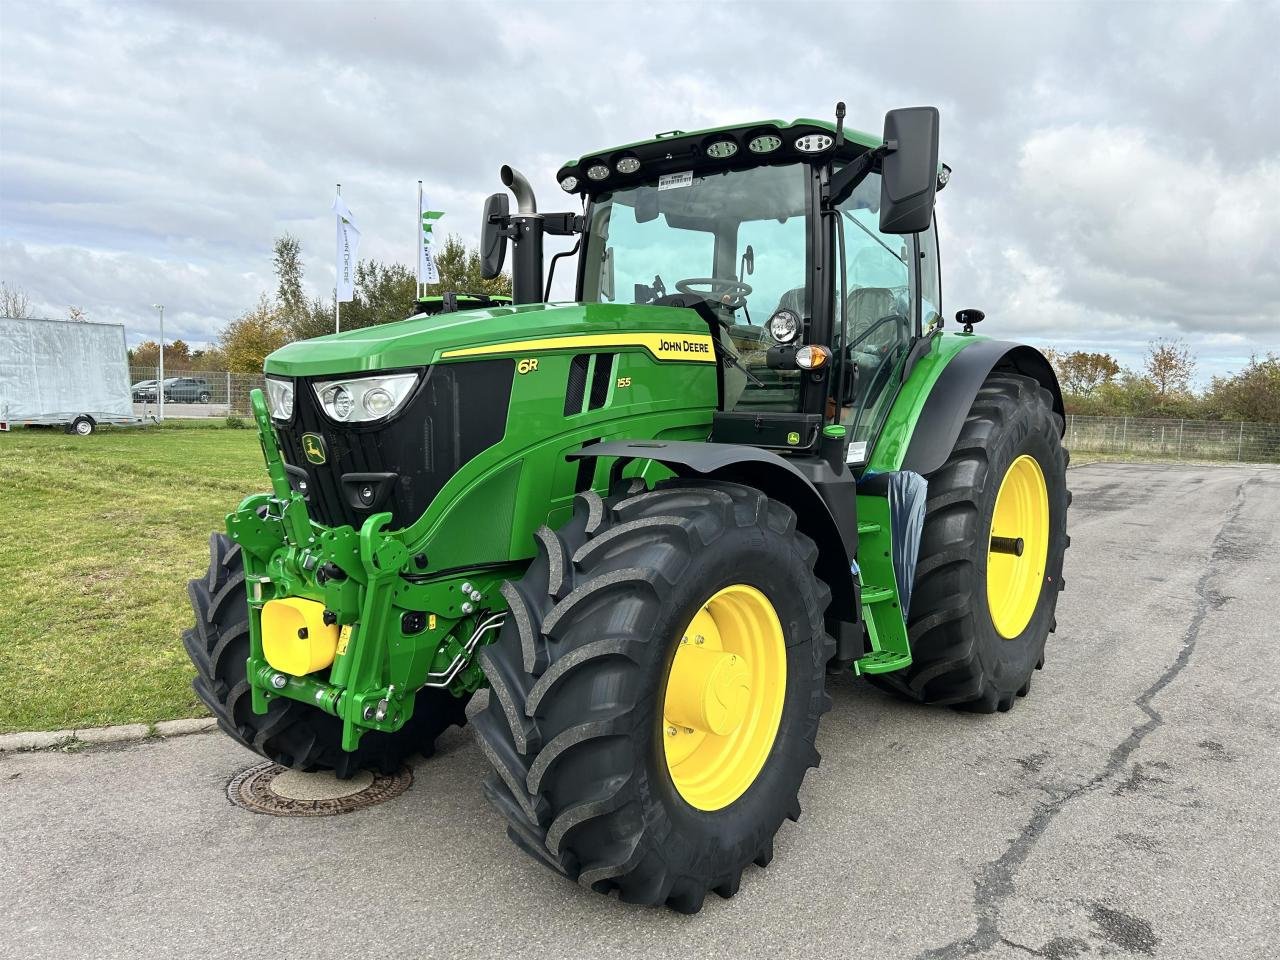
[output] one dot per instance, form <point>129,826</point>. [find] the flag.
<point>347,251</point>
<point>427,269</point>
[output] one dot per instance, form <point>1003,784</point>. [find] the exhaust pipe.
<point>526,223</point>
<point>514,181</point>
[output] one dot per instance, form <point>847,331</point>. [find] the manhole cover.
<point>270,788</point>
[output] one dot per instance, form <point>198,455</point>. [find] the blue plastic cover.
<point>907,494</point>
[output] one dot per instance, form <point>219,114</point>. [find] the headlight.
<point>280,398</point>
<point>369,398</point>
<point>783,326</point>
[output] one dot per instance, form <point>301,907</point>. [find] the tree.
<point>14,302</point>
<point>384,293</point>
<point>1253,394</point>
<point>145,354</point>
<point>291,300</point>
<point>177,356</point>
<point>1082,373</point>
<point>460,271</point>
<point>1170,367</point>
<point>246,340</point>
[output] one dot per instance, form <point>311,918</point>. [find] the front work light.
<point>814,142</point>
<point>569,184</point>
<point>627,165</point>
<point>280,398</point>
<point>722,149</point>
<point>765,143</point>
<point>783,326</point>
<point>365,399</point>
<point>597,171</point>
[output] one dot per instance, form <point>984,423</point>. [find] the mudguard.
<point>948,402</point>
<point>773,475</point>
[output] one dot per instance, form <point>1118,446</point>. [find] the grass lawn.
<point>98,537</point>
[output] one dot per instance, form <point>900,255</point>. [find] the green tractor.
<point>652,520</point>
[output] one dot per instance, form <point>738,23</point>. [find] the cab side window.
<point>930,278</point>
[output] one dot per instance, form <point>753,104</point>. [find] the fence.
<point>228,393</point>
<point>1175,439</point>
<point>1171,439</point>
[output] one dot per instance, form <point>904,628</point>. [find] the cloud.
<point>1115,169</point>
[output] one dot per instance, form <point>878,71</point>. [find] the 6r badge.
<point>313,447</point>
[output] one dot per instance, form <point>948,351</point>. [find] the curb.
<point>92,736</point>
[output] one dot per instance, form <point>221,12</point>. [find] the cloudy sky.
<point>1117,165</point>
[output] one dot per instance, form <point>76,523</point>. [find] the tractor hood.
<point>495,331</point>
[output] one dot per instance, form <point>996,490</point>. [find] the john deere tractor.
<point>650,521</point>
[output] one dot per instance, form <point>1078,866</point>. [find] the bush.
<point>236,423</point>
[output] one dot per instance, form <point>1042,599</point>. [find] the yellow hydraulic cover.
<point>295,638</point>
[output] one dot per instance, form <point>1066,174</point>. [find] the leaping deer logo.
<point>313,447</point>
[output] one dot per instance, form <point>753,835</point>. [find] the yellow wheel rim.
<point>1019,547</point>
<point>723,699</point>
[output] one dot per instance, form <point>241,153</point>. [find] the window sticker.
<point>674,181</point>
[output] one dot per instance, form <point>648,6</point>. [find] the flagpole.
<point>337,327</point>
<point>418,240</point>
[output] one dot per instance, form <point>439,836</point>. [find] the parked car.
<point>187,390</point>
<point>144,391</point>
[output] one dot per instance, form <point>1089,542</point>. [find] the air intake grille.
<point>458,411</point>
<point>596,367</point>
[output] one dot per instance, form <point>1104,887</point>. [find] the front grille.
<point>458,411</point>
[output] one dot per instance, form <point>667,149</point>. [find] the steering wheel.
<point>731,293</point>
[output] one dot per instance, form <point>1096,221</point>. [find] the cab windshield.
<point>735,238</point>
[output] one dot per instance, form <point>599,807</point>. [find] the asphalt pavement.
<point>1129,807</point>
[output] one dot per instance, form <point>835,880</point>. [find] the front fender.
<point>774,476</point>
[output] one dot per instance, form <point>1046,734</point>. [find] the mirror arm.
<point>563,224</point>
<point>853,173</point>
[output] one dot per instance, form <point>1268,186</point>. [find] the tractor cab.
<point>809,251</point>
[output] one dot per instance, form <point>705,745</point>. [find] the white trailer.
<point>63,372</point>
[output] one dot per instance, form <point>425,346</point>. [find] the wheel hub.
<point>712,692</point>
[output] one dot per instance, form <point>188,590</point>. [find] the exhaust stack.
<point>526,233</point>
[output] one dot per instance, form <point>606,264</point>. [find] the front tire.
<point>577,724</point>
<point>291,733</point>
<point>979,618</point>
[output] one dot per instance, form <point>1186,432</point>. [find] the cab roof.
<point>744,144</point>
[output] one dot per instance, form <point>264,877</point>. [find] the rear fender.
<point>952,394</point>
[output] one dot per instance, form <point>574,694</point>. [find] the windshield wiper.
<point>731,360</point>
<point>848,216</point>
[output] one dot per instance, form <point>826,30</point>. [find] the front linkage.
<point>357,604</point>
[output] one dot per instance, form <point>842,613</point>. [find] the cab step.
<point>881,661</point>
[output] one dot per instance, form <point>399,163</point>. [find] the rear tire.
<point>291,733</point>
<point>959,658</point>
<point>575,722</point>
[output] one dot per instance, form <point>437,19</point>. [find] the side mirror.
<point>493,236</point>
<point>748,263</point>
<point>909,171</point>
<point>606,276</point>
<point>968,317</point>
